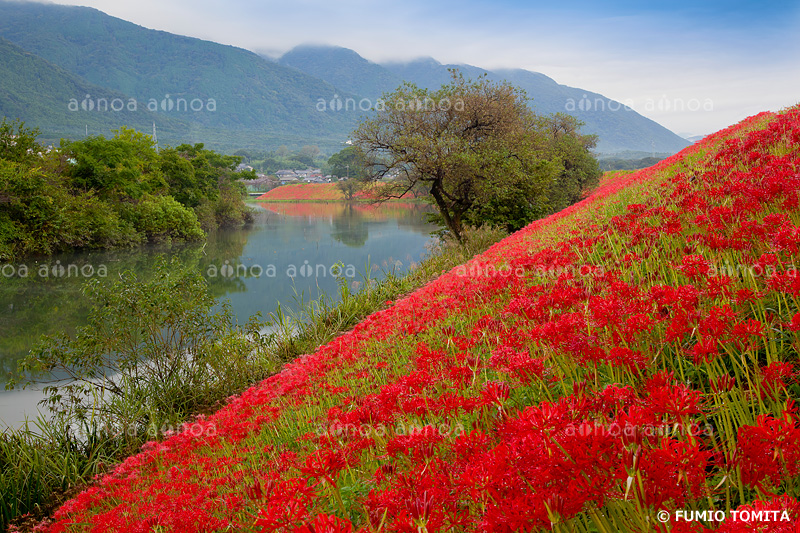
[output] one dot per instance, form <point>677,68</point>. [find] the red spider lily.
<point>495,393</point>
<point>594,300</point>
<point>723,383</point>
<point>326,524</point>
<point>675,401</point>
<point>420,443</point>
<point>770,449</point>
<point>694,266</point>
<point>794,325</point>
<point>780,514</point>
<point>673,472</point>
<point>772,378</point>
<point>704,351</point>
<point>325,464</point>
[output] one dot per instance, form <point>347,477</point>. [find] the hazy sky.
<point>718,60</point>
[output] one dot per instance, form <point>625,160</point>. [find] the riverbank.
<point>321,192</point>
<point>43,465</point>
<point>288,251</point>
<point>608,368</point>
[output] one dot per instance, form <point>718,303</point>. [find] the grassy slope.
<point>624,366</point>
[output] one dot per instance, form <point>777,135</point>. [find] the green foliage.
<point>125,166</point>
<point>207,181</point>
<point>106,193</point>
<point>88,222</point>
<point>18,143</point>
<point>480,151</point>
<point>512,205</point>
<point>39,215</point>
<point>41,462</point>
<point>348,162</point>
<point>181,178</point>
<point>578,169</point>
<point>153,352</point>
<point>162,219</point>
<point>229,207</point>
<point>349,187</point>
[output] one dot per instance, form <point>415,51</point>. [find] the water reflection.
<point>290,250</point>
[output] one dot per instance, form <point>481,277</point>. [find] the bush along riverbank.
<point>613,367</point>
<point>169,357</point>
<point>111,193</point>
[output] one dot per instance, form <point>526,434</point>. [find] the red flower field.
<point>334,209</point>
<point>304,192</point>
<point>313,192</point>
<point>628,364</point>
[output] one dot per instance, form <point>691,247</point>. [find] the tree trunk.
<point>452,225</point>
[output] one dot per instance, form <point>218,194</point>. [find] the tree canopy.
<point>106,193</point>
<point>478,149</point>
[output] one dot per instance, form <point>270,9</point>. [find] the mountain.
<point>694,138</point>
<point>343,68</point>
<point>225,95</point>
<point>619,128</point>
<point>55,101</point>
<point>231,98</point>
<point>429,73</point>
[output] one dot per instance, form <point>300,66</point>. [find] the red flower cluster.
<point>304,192</point>
<point>633,354</point>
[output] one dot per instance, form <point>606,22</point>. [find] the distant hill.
<point>343,68</point>
<point>695,138</point>
<point>240,99</point>
<point>230,98</point>
<point>619,128</point>
<point>48,97</point>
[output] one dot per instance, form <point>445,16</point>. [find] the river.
<point>289,250</point>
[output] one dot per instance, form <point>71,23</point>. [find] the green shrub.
<point>92,223</point>
<point>153,352</point>
<point>163,219</point>
<point>229,209</point>
<point>205,215</point>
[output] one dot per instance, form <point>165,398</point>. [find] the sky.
<point>694,66</point>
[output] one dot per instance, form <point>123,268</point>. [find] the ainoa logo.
<point>399,104</point>
<point>166,104</point>
<point>306,270</point>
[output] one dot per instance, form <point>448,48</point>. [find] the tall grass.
<point>46,461</point>
<point>315,322</point>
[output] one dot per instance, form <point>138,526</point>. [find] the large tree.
<point>579,169</point>
<point>469,143</point>
<point>349,162</point>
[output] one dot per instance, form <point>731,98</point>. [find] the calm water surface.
<point>290,250</point>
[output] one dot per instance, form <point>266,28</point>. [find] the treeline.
<point>110,193</point>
